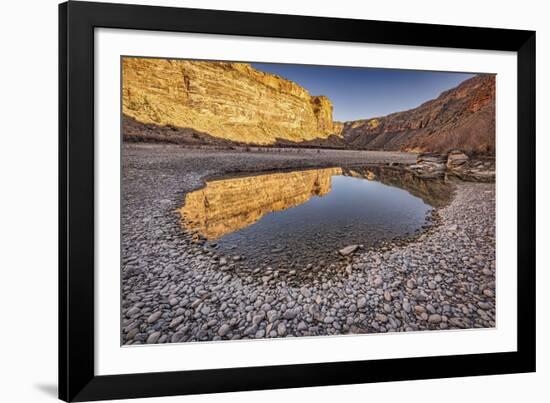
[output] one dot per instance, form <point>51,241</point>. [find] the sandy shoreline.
<point>175,291</point>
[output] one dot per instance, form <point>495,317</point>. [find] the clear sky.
<point>361,93</point>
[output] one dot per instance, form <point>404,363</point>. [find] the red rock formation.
<point>460,118</point>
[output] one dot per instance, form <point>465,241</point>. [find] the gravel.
<point>175,290</point>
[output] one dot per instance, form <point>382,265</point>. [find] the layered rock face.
<point>460,118</point>
<point>227,205</point>
<point>219,103</point>
<point>230,101</point>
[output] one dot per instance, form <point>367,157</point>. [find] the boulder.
<point>348,250</point>
<point>430,164</point>
<point>456,158</point>
<point>430,158</point>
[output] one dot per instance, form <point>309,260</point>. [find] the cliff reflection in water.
<point>228,205</point>
<point>436,192</point>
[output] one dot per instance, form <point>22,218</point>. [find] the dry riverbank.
<point>174,290</point>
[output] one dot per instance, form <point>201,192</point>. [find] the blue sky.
<point>360,93</point>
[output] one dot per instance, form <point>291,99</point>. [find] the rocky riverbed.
<point>175,290</point>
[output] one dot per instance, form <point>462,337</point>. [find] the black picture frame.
<point>77,21</point>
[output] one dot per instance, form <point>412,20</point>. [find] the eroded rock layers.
<point>221,103</point>
<point>460,118</point>
<point>231,101</point>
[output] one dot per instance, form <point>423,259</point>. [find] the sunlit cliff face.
<point>225,206</point>
<point>231,101</point>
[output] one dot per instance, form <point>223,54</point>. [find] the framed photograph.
<point>258,201</point>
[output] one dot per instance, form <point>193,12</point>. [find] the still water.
<point>291,219</point>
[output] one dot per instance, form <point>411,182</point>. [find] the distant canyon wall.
<point>460,118</point>
<point>230,101</point>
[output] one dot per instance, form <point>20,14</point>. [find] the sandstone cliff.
<point>228,101</point>
<point>460,118</point>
